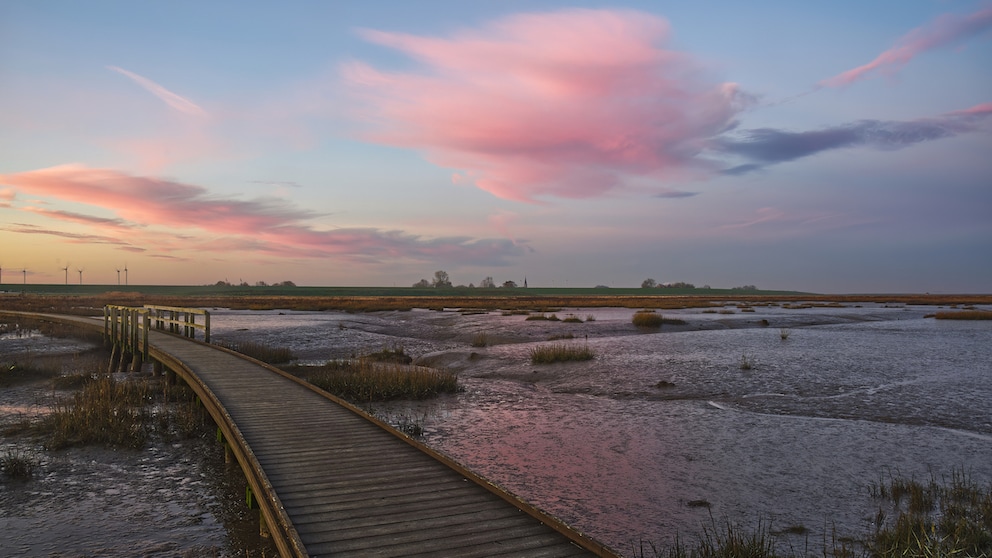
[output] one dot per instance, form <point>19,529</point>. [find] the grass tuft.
<point>747,362</point>
<point>364,380</point>
<point>560,352</point>
<point>965,315</point>
<point>15,465</point>
<point>481,340</point>
<point>104,412</point>
<point>259,351</point>
<point>647,319</point>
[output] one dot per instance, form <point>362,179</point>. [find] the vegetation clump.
<point>747,362</point>
<point>560,352</point>
<point>260,351</point>
<point>965,315</point>
<point>15,465</point>
<point>364,380</point>
<point>481,340</point>
<point>647,319</point>
<point>933,519</point>
<point>652,319</point>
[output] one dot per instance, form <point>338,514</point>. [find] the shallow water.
<point>618,446</point>
<point>173,498</point>
<point>850,397</point>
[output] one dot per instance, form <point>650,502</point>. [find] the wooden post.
<point>156,368</point>
<point>263,527</point>
<point>206,326</point>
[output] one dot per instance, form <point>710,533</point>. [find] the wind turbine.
<point>66,270</point>
<point>80,270</point>
<point>25,272</point>
<point>1,275</point>
<point>118,277</point>
<point>125,275</point>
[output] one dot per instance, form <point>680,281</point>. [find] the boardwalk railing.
<point>180,320</point>
<point>126,327</point>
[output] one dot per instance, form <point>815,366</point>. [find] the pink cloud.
<point>945,30</point>
<point>564,104</point>
<point>175,101</point>
<point>264,225</point>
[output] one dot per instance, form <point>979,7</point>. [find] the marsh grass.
<point>104,412</point>
<point>481,340</point>
<point>363,380</point>
<point>747,362</point>
<point>647,319</point>
<point>560,352</point>
<point>543,317</point>
<point>965,315</point>
<point>650,319</point>
<point>572,319</point>
<point>784,333</point>
<point>259,351</point>
<point>14,464</point>
<point>953,518</point>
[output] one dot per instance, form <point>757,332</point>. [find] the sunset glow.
<point>825,147</point>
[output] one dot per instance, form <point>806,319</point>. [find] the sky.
<point>822,146</point>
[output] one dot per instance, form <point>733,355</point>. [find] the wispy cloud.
<point>264,225</point>
<point>75,238</point>
<point>565,104</point>
<point>175,101</point>
<point>675,194</point>
<point>766,146</point>
<point>80,218</point>
<point>946,30</point>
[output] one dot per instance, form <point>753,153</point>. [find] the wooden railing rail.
<point>180,320</point>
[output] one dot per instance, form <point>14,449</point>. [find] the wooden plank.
<point>421,540</point>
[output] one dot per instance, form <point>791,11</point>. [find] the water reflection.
<point>621,445</point>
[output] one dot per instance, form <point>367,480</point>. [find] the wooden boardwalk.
<point>333,482</point>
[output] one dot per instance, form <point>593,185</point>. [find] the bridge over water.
<point>329,479</point>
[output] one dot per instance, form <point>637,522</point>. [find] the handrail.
<point>180,319</point>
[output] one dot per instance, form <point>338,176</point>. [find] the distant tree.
<point>602,286</point>
<point>422,284</point>
<point>745,288</point>
<point>222,283</point>
<point>509,284</point>
<point>261,284</point>
<point>487,283</point>
<point>441,279</point>
<point>649,283</point>
<point>678,285</point>
<point>286,284</point>
<point>707,287</point>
